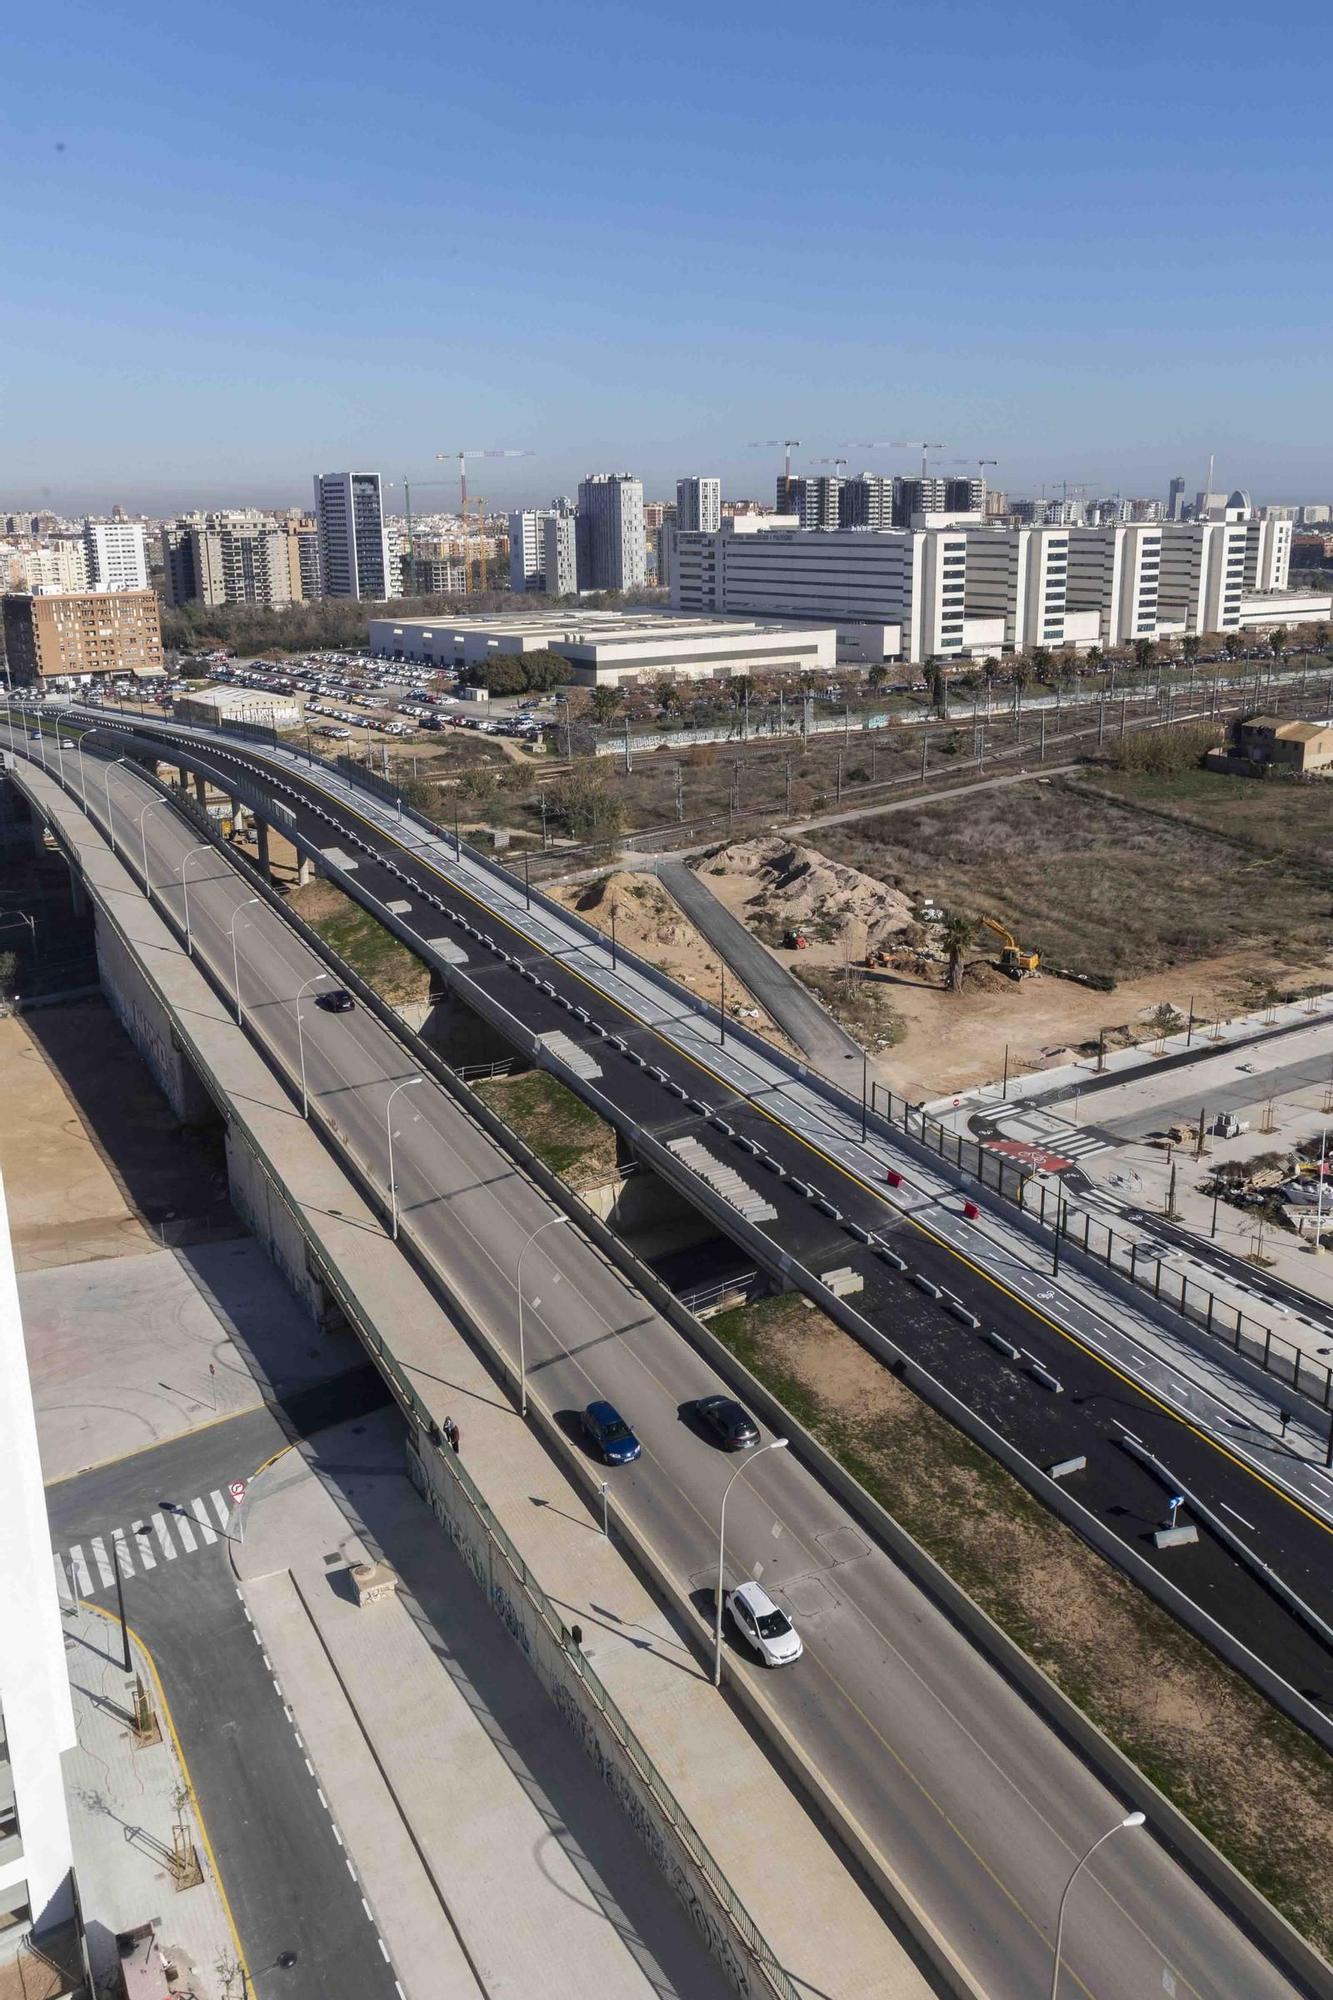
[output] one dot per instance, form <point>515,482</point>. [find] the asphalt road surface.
<point>285,1875</point>
<point>983,1810</point>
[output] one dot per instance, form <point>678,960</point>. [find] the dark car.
<point>612,1437</point>
<point>733,1427</point>
<point>336,1001</point>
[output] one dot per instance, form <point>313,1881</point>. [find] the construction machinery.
<point>1013,959</point>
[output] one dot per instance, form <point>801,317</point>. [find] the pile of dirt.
<point>781,882</point>
<point>645,914</point>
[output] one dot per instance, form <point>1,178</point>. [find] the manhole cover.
<point>808,1595</point>
<point>842,1545</point>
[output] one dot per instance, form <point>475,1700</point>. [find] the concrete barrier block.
<point>1176,1538</point>
<point>1002,1346</point>
<point>1064,1466</point>
<point>924,1284</point>
<point>1043,1375</point>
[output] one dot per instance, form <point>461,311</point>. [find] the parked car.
<point>611,1437</point>
<point>336,1001</point>
<point>734,1428</point>
<point>768,1631</point>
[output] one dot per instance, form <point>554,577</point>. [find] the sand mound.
<point>781,882</point>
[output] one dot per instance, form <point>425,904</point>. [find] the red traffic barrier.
<point>971,1211</point>
<point>893,1177</point>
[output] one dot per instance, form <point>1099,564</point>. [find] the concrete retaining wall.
<point>272,1223</point>
<point>145,1021</point>
<point>556,1663</point>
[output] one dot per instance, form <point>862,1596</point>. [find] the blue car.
<point>611,1436</point>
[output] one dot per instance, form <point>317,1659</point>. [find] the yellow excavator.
<point>1013,959</point>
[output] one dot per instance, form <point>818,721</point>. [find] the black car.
<point>733,1427</point>
<point>336,1001</point>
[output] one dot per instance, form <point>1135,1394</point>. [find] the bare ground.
<point>1252,1781</point>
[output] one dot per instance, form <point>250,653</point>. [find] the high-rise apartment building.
<point>611,552</point>
<point>812,497</point>
<point>116,557</point>
<point>36,1714</point>
<point>180,581</point>
<point>699,503</point>
<point>866,501</point>
<point>354,554</point>
<point>1175,499</point>
<point>303,554</point>
<point>61,564</point>
<point>560,553</point>
<point>82,633</point>
<point>229,558</point>
<point>527,549</point>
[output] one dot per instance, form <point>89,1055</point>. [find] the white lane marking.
<point>383,1947</point>
<point>78,1569</point>
<point>201,1516</point>
<point>220,1507</point>
<point>98,1548</point>
<point>143,1546</point>
<point>1240,1517</point>
<point>184,1530</point>
<point>164,1541</point>
<point>63,1591</point>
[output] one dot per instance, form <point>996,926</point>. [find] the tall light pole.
<point>143,845</point>
<point>185,892</point>
<point>314,980</point>
<point>406,1084</point>
<point>774,1444</point>
<point>1130,1819</point>
<point>549,1223</point>
<point>106,786</point>
<point>235,959</point>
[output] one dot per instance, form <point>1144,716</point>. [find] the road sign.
<point>237,1489</point>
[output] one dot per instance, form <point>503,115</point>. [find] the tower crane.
<point>917,444</point>
<point>789,445</point>
<point>839,464</point>
<point>407,509</point>
<point>464,456</point>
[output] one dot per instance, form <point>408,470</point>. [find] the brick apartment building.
<point>80,633</point>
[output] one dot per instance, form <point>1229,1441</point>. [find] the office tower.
<point>560,561</point>
<point>354,555</point>
<point>116,558</point>
<point>610,531</point>
<point>866,501</point>
<point>1175,499</point>
<point>527,549</point>
<point>698,503</point>
<point>36,1715</point>
<point>82,632</point>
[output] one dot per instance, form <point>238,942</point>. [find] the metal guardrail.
<point>413,1408</point>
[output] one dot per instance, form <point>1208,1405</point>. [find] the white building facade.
<point>699,503</point>
<point>115,555</point>
<point>354,556</point>
<point>527,549</point>
<point>605,648</point>
<point>36,1713</point>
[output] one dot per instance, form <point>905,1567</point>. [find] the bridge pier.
<point>261,846</point>
<point>145,1021</point>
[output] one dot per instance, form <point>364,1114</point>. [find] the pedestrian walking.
<point>454,1437</point>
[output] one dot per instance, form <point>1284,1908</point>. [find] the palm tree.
<point>1145,652</point>
<point>1277,641</point>
<point>877,676</point>
<point>1190,645</point>
<point>957,937</point>
<point>1095,658</point>
<point>1041,662</point>
<point>605,701</point>
<point>1319,638</point>
<point>1232,643</point>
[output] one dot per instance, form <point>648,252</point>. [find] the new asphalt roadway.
<point>983,1810</point>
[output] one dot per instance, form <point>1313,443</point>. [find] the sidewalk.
<point>125,1807</point>
<point>492,1856</point>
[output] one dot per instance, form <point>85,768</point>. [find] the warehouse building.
<point>604,648</point>
<point>212,708</point>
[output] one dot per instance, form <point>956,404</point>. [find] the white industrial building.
<point>36,1713</point>
<point>211,707</point>
<point>952,586</point>
<point>604,648</point>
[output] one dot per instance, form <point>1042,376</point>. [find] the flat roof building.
<point>81,633</point>
<point>210,708</point>
<point>604,648</point>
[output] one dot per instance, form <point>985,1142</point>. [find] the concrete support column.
<point>261,838</point>
<point>305,871</point>
<point>38,834</point>
<point>200,789</point>
<point>77,897</point>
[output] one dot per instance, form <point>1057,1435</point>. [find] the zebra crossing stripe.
<point>63,1591</point>
<point>143,1545</point>
<point>98,1548</point>
<point>184,1530</point>
<point>201,1516</point>
<point>164,1541</point>
<point>78,1569</point>
<point>220,1507</point>
<point>122,1554</point>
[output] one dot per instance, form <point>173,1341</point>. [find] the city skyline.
<point>593,247</point>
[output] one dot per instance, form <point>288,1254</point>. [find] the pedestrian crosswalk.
<point>143,1544</point>
<point>1080,1143</point>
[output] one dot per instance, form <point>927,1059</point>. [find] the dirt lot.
<point>355,935</point>
<point>571,1139</point>
<point>1256,1785</point>
<point>94,1162</point>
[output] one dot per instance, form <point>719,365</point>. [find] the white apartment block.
<point>354,554</point>
<point>241,559</point>
<point>115,553</point>
<point>560,553</point>
<point>58,565</point>
<point>36,1714</point>
<point>612,554</point>
<point>527,549</point>
<point>699,504</point>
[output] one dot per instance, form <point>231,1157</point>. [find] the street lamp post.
<point>406,1084</point>
<point>106,786</point>
<point>185,892</point>
<point>774,1444</point>
<point>1130,1819</point>
<point>143,846</point>
<point>549,1223</point>
<point>314,980</point>
<point>235,958</point>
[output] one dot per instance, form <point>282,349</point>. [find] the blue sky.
<point>250,242</point>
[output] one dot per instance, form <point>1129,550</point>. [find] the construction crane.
<point>916,444</point>
<point>464,456</point>
<point>789,445</point>
<point>839,463</point>
<point>407,509</point>
<point>1013,959</point>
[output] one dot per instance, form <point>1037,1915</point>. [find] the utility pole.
<point>680,793</point>
<point>789,788</point>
